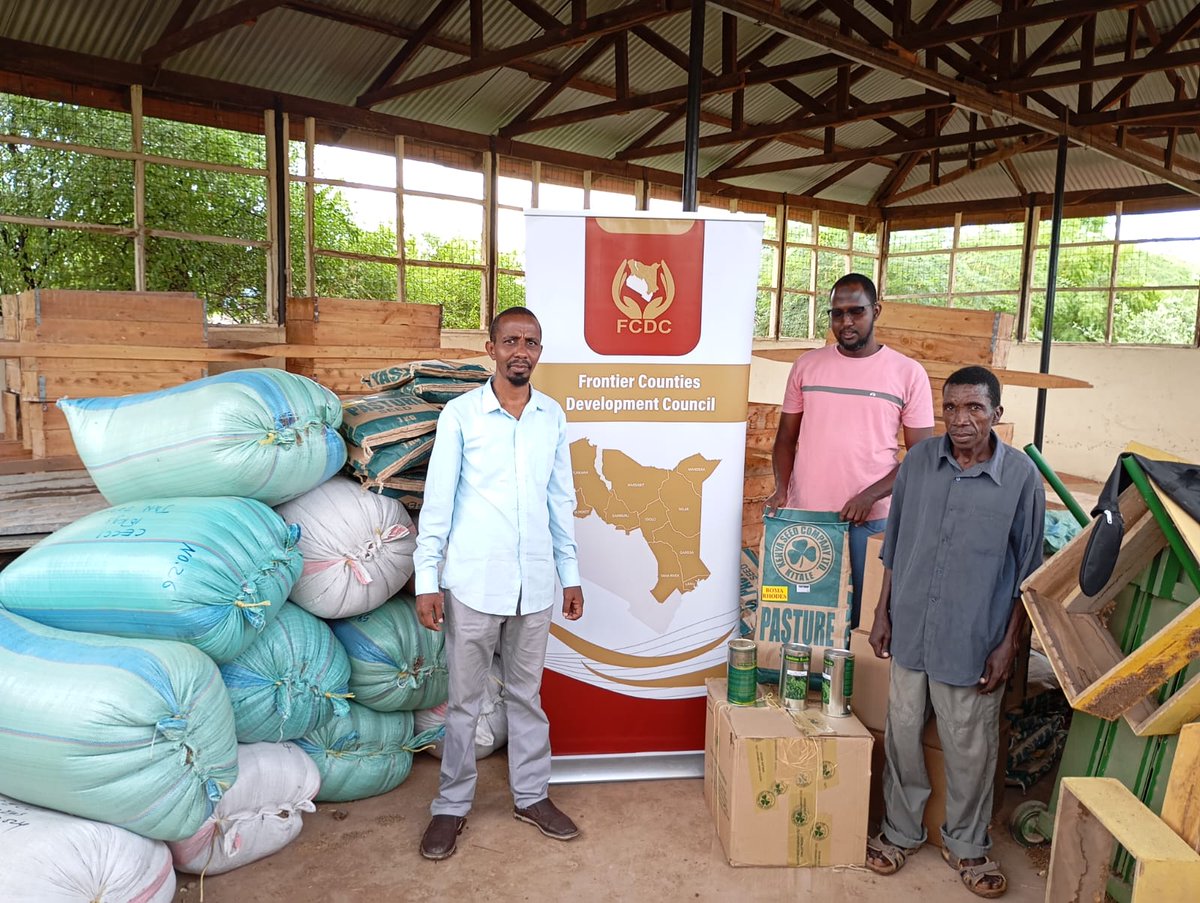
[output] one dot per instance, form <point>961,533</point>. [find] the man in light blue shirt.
<point>496,528</point>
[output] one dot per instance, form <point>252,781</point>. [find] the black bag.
<point>1180,481</point>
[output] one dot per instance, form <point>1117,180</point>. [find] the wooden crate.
<point>1093,815</point>
<point>953,334</point>
<point>166,320</point>
<point>414,330</point>
<point>1096,676</point>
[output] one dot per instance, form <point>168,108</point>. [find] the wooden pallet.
<point>1096,676</point>
<point>1094,814</point>
<point>1181,804</point>
<point>413,329</point>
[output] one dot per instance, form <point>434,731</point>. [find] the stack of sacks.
<point>357,546</point>
<point>395,663</point>
<point>49,856</point>
<point>212,572</point>
<point>491,732</point>
<point>193,567</point>
<point>391,432</point>
<point>262,434</point>
<point>291,681</point>
<point>366,754</point>
<point>137,733</point>
<point>260,815</point>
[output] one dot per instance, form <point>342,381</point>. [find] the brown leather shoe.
<point>441,836</point>
<point>549,819</point>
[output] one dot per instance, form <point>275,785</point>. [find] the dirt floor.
<point>644,841</point>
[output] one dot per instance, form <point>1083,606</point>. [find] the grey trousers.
<point>968,726</point>
<point>472,638</point>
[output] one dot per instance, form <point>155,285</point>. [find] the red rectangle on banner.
<point>642,286</point>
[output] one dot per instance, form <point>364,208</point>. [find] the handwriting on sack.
<point>177,569</point>
<point>11,816</point>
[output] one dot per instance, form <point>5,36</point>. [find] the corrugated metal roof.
<point>292,52</point>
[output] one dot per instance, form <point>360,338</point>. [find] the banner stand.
<point>650,766</point>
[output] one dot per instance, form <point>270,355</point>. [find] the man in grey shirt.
<point>965,530</point>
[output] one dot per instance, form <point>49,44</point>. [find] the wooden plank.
<point>1080,853</point>
<point>1102,810</point>
<point>1181,707</point>
<point>1145,669</point>
<point>11,449</point>
<point>50,386</point>
<point>959,321</point>
<point>176,335</point>
<point>43,502</point>
<point>1074,662</point>
<point>57,444</point>
<point>1181,805</point>
<point>152,307</point>
<point>352,311</point>
<point>41,465</point>
<point>924,346</point>
<point>245,336</point>
<point>12,425</point>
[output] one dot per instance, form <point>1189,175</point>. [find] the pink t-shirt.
<point>853,409</point>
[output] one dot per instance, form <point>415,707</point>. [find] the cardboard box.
<point>872,581</point>
<point>786,789</point>
<point>872,678</point>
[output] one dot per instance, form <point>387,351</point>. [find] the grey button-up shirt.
<point>959,543</point>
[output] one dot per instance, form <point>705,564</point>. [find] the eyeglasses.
<point>840,313</point>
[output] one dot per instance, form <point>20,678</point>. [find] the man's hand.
<point>998,667</point>
<point>881,635</point>
<point>430,610</point>
<point>775,501</point>
<point>858,509</point>
<point>572,602</point>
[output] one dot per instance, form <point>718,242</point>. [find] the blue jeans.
<point>858,555</point>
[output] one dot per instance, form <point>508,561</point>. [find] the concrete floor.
<point>644,841</point>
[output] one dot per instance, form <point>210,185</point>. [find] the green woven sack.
<point>395,663</point>
<point>258,433</point>
<point>137,733</point>
<point>207,571</point>
<point>292,680</point>
<point>366,753</point>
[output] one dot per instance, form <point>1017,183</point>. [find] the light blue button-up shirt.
<point>498,515</point>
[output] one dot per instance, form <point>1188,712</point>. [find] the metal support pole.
<point>691,140</point>
<point>281,212</point>
<point>1060,178</point>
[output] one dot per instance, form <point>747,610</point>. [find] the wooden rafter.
<point>799,123</point>
<point>1014,19</point>
<point>1124,70</point>
<point>859,22</point>
<point>835,177</point>
<point>1052,43</point>
<point>999,155</point>
<point>1157,58</point>
<point>606,23</point>
<point>405,55</point>
<point>909,161</point>
<point>556,87</point>
<point>179,18</point>
<point>189,36</point>
<point>970,97</point>
<point>719,84</point>
<point>925,143</point>
<point>538,13</point>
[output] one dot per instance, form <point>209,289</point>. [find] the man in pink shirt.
<point>836,447</point>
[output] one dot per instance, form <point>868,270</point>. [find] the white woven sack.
<point>492,730</point>
<point>49,857</point>
<point>357,548</point>
<point>258,816</point>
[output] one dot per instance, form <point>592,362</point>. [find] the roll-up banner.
<point>647,324</point>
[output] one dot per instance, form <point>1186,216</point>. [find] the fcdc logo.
<point>643,286</point>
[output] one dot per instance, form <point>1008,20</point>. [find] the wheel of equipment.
<point>1025,823</point>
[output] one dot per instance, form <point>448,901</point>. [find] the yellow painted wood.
<point>1181,805</point>
<point>1146,668</point>
<point>1094,812</point>
<point>1126,818</point>
<point>1168,718</point>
